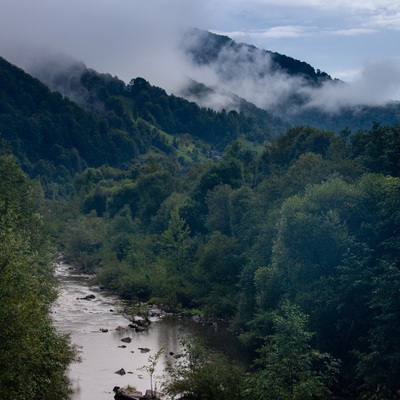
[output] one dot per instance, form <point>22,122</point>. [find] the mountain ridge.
<point>108,96</point>
<point>54,138</point>
<point>287,88</point>
<point>209,46</point>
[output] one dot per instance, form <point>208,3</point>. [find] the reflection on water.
<point>103,353</point>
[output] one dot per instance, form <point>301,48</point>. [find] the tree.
<point>150,368</point>
<point>290,368</point>
<point>175,242</point>
<point>378,365</point>
<point>152,189</point>
<point>33,355</point>
<point>219,209</point>
<point>336,255</point>
<point>219,262</point>
<point>82,240</point>
<point>199,373</point>
<point>378,149</point>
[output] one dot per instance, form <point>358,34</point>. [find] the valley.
<point>282,226</point>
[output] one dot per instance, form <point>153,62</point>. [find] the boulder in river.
<point>126,394</point>
<point>152,394</point>
<point>88,297</point>
<point>196,318</point>
<point>144,322</point>
<point>144,349</point>
<point>120,372</point>
<point>126,339</point>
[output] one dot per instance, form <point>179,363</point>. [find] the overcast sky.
<point>349,39</point>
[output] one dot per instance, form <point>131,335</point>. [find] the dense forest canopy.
<point>33,355</point>
<point>289,234</point>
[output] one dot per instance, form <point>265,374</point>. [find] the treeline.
<point>176,115</point>
<point>33,355</point>
<point>167,112</point>
<point>306,230</point>
<point>54,138</point>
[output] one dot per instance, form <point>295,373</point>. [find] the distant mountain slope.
<point>267,79</point>
<point>170,113</point>
<point>114,123</point>
<point>288,88</point>
<point>48,131</point>
<point>350,118</point>
<point>207,48</point>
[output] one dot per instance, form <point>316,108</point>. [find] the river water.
<point>101,353</point>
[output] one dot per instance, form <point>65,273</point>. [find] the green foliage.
<point>219,209</point>
<point>378,149</point>
<point>131,388</point>
<point>329,257</point>
<point>82,241</point>
<point>152,190</point>
<point>150,368</point>
<point>234,239</point>
<point>161,220</point>
<point>298,141</point>
<point>176,115</point>
<point>200,373</point>
<point>33,355</point>
<point>313,220</point>
<point>175,242</point>
<point>47,130</point>
<point>290,367</point>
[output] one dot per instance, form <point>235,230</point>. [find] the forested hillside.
<point>292,238</point>
<point>33,355</point>
<point>310,226</point>
<point>53,137</point>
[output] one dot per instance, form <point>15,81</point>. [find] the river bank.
<point>90,315</point>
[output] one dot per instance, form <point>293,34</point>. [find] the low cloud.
<point>376,84</point>
<point>253,76</point>
<point>276,32</point>
<point>352,32</point>
<point>127,38</point>
<point>131,38</point>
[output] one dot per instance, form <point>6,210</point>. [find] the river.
<point>101,353</point>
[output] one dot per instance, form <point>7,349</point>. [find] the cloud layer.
<point>131,38</point>
<point>259,82</point>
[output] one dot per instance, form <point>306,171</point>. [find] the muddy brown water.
<point>101,355</point>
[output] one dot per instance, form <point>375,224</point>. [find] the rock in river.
<point>144,349</point>
<point>120,372</point>
<point>88,297</point>
<point>126,394</point>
